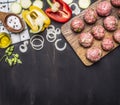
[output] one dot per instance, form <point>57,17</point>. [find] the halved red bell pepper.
<point>59,11</point>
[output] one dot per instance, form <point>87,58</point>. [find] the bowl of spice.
<point>12,22</point>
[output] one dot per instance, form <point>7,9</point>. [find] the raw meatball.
<point>107,44</point>
<point>86,39</point>
<point>116,36</point>
<point>104,8</point>
<point>94,54</point>
<point>90,16</point>
<point>77,25</point>
<point>110,23</point>
<point>98,32</point>
<point>115,3</point>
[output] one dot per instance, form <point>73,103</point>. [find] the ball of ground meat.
<point>86,39</point>
<point>104,8</point>
<point>115,3</point>
<point>107,44</point>
<point>98,32</point>
<point>116,36</point>
<point>90,16</point>
<point>110,23</point>
<point>94,54</point>
<point>77,25</point>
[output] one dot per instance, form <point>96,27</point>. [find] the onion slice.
<point>37,48</point>
<point>37,45</point>
<point>51,38</point>
<point>75,8</point>
<point>68,1</point>
<point>23,48</point>
<point>58,48</point>
<point>38,3</point>
<point>84,3</point>
<point>37,38</point>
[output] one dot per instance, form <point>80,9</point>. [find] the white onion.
<point>37,48</point>
<point>37,38</point>
<point>68,1</point>
<point>77,10</point>
<point>58,48</point>
<point>50,27</point>
<point>57,31</point>
<point>25,43</point>
<point>37,45</point>
<point>23,48</point>
<point>51,38</point>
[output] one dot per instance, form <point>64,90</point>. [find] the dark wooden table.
<point>50,77</point>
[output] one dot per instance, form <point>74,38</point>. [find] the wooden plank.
<point>72,37</point>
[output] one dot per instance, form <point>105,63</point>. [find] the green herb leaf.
<point>9,53</point>
<point>7,50</point>
<point>11,48</point>
<point>16,55</point>
<point>15,61</point>
<point>10,62</point>
<point>10,58</point>
<point>19,61</point>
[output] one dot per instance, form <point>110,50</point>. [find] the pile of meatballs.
<point>110,23</point>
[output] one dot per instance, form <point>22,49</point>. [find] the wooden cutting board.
<point>72,37</point>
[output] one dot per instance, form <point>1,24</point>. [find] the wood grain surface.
<point>72,37</point>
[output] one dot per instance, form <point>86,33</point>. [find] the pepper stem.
<point>50,3</point>
<point>54,6</point>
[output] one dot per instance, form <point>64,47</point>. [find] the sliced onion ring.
<point>25,42</point>
<point>57,31</point>
<point>51,38</point>
<point>23,48</point>
<point>76,10</point>
<point>56,45</point>
<point>37,38</point>
<point>51,34</point>
<point>37,48</point>
<point>37,45</point>
<point>50,27</point>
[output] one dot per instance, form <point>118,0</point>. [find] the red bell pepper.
<point>59,11</point>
